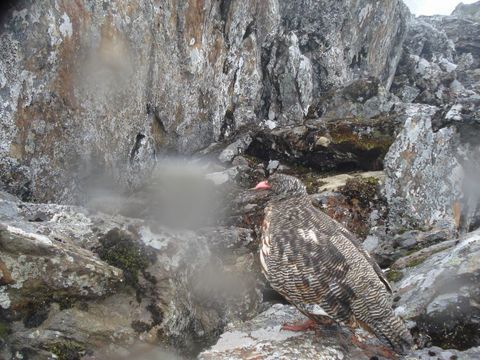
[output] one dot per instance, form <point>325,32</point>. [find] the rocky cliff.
<point>91,86</point>
<point>131,132</point>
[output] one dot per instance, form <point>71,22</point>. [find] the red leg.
<point>301,326</point>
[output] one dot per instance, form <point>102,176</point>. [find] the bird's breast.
<point>266,241</point>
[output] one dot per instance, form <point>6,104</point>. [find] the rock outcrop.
<point>433,164</point>
<point>440,293</point>
<point>80,279</point>
<point>90,90</point>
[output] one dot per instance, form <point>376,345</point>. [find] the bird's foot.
<point>373,351</point>
<point>325,321</point>
<point>300,326</point>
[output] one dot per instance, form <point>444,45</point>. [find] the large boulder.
<point>440,293</point>
<point>424,179</point>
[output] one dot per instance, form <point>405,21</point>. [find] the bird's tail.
<point>393,332</point>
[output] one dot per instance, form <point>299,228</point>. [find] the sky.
<point>434,7</point>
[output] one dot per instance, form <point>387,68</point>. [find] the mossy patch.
<point>416,262</point>
<point>67,350</point>
<point>363,189</point>
<point>312,182</point>
<point>4,329</point>
<point>120,250</point>
<point>374,137</point>
<point>394,275</point>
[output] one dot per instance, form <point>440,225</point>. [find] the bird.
<point>321,268</point>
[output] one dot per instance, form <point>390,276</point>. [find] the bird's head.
<point>281,184</point>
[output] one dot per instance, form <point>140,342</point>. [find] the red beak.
<point>263,185</point>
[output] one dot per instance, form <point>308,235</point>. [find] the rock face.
<point>424,178</point>
<point>90,89</point>
<point>432,165</point>
<point>441,295</point>
<point>469,11</point>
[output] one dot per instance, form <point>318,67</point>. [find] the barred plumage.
<point>318,265</point>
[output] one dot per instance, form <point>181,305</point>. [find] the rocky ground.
<point>128,227</point>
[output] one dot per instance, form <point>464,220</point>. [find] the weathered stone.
<point>463,32</point>
<point>441,295</point>
<point>236,148</point>
<point>405,246</point>
<point>325,144</point>
<point>469,11</point>
<point>262,338</point>
<point>363,98</point>
<point>90,89</point>
<point>424,179</point>
<point>436,353</point>
<point>36,269</point>
<point>182,286</point>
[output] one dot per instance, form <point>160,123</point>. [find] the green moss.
<point>394,276</point>
<point>67,350</point>
<point>312,182</point>
<point>416,262</point>
<point>120,250</point>
<point>344,133</point>
<point>4,329</point>
<point>252,159</point>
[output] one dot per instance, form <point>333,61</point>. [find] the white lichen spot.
<point>55,38</point>
<point>197,60</point>
<point>271,124</point>
<point>233,340</point>
<point>42,239</point>
<point>455,112</point>
<point>65,27</point>
<point>5,301</point>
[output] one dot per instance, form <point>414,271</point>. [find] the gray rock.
<point>469,11</point>
<point>362,98</point>
<point>41,268</point>
<point>405,248</point>
<point>327,143</point>
<point>273,165</point>
<point>463,32</point>
<point>177,286</point>
<point>89,90</point>
<point>436,353</point>
<point>236,148</point>
<point>424,179</point>
<point>440,293</point>
<point>262,338</point>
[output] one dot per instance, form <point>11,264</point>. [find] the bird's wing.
<point>378,270</point>
<point>309,267</point>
